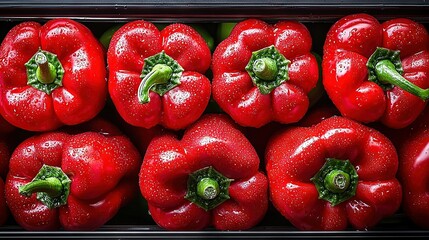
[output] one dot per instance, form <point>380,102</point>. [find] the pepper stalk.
<point>336,181</point>
<point>160,74</point>
<point>268,69</point>
<point>44,71</point>
<point>51,185</point>
<point>208,188</point>
<point>385,69</point>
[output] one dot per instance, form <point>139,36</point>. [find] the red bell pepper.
<point>259,137</point>
<point>414,170</point>
<point>263,73</point>
<point>377,72</point>
<point>335,173</point>
<point>156,77</point>
<point>207,178</point>
<point>51,75</point>
<point>106,37</point>
<point>74,181</point>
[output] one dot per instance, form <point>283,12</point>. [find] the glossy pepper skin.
<point>51,75</point>
<point>156,77</point>
<point>366,79</point>
<point>173,175</point>
<point>263,73</point>
<point>414,170</point>
<point>333,174</point>
<point>98,169</point>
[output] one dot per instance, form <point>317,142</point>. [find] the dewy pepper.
<point>333,174</point>
<point>51,75</point>
<point>263,73</point>
<point>377,72</point>
<point>74,181</point>
<point>414,170</point>
<point>209,177</point>
<point>156,77</point>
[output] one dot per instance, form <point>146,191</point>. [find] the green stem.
<point>52,186</point>
<point>265,68</point>
<point>208,188</point>
<point>46,72</point>
<point>268,69</point>
<point>337,181</point>
<point>387,73</point>
<point>160,74</point>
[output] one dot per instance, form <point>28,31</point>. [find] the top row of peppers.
<point>55,74</point>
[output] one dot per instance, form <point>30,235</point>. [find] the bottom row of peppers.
<point>328,175</point>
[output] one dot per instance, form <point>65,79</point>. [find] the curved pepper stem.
<point>207,188</point>
<point>160,74</point>
<point>385,69</point>
<point>51,184</point>
<point>268,69</point>
<point>387,73</point>
<point>336,181</point>
<point>44,71</point>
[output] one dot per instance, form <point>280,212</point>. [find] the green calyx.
<point>160,74</point>
<point>336,181</point>
<point>385,69</point>
<point>207,188</point>
<point>268,68</point>
<point>44,71</point>
<point>51,184</point>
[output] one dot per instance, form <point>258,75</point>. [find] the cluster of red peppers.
<point>324,169</point>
